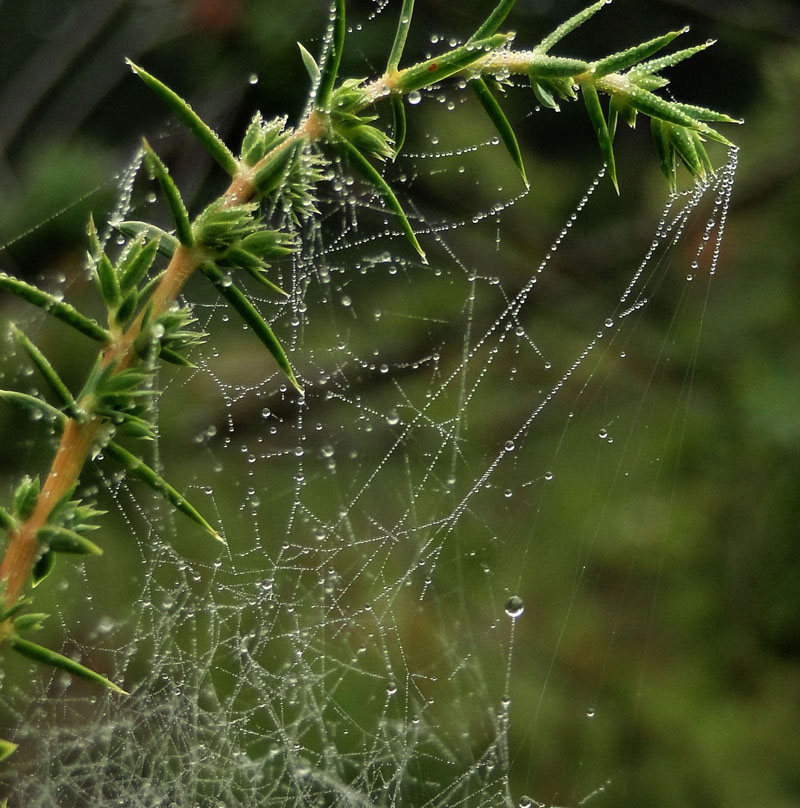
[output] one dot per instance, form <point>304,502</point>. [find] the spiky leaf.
<point>7,521</point>
<point>183,227</point>
<point>634,55</point>
<point>52,378</point>
<point>252,317</point>
<point>53,305</point>
<point>34,405</point>
<point>310,64</point>
<point>494,20</point>
<point>210,139</point>
<point>138,468</point>
<point>498,118</point>
<point>167,243</point>
<point>555,67</point>
<point>47,657</point>
<point>400,36</point>
<point>368,171</point>
<point>42,568</point>
<point>6,748</point>
<point>598,120</point>
<point>32,621</point>
<point>570,25</point>
<point>63,540</point>
<point>399,127</point>
<point>330,69</point>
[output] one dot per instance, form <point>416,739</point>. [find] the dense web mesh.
<point>395,620</point>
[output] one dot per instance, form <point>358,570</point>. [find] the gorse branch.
<point>272,189</point>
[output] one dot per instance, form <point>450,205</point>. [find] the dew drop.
<point>414,97</point>
<point>514,607</point>
<point>252,78</point>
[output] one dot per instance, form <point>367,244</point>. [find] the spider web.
<point>414,550</point>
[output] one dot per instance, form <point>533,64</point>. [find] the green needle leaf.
<point>104,271</point>
<point>494,20</point>
<point>543,94</point>
<point>257,273</point>
<point>272,172</point>
<point>570,25</point>
<point>371,174</point>
<point>400,36</point>
<point>138,468</point>
<point>555,67</point>
<point>167,244</point>
<point>399,118</point>
<point>48,657</point>
<point>657,107</point>
<point>42,568</point>
<point>666,154</point>
<point>631,56</point>
<point>210,139</point>
<point>686,148</point>
<point>498,118</point>
<point>62,540</point>
<point>598,120</point>
<point>52,305</point>
<point>330,69</point>
<point>663,62</point>
<point>30,622</point>
<point>250,314</point>
<point>26,496</point>
<point>310,64</point>
<point>7,521</point>
<point>6,748</point>
<point>34,405</point>
<point>52,378</point>
<point>703,114</point>
<point>138,265</point>
<point>159,171</point>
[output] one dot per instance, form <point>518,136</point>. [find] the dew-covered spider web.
<point>438,562</point>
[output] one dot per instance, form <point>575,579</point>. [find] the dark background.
<point>721,728</point>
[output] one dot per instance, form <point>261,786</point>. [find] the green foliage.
<point>273,190</point>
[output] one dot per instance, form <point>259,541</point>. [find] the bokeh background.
<point>717,727</point>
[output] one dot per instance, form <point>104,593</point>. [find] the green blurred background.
<point>716,727</point>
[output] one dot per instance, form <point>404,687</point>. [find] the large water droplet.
<point>514,607</point>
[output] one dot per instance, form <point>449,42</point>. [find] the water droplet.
<point>514,607</point>
<point>548,475</point>
<point>392,418</point>
<point>252,78</point>
<point>509,447</point>
<point>590,712</point>
<point>414,97</point>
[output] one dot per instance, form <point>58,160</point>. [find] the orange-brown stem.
<point>73,449</point>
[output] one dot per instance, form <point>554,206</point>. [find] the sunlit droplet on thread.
<point>514,607</point>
